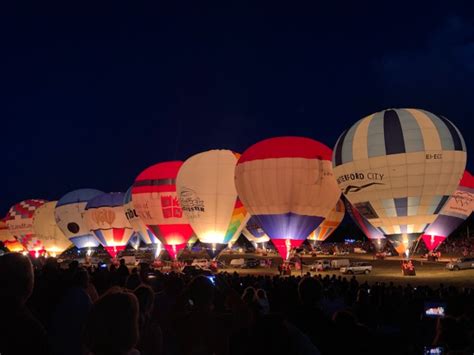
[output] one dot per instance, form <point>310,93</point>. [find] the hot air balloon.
<point>254,232</point>
<point>69,215</point>
<point>20,223</point>
<point>207,194</point>
<point>458,208</point>
<point>157,204</point>
<point>105,217</point>
<point>330,223</point>
<point>398,167</point>
<point>372,233</point>
<point>287,184</point>
<point>47,231</point>
<point>8,239</point>
<point>137,224</point>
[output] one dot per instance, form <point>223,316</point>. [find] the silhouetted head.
<point>309,291</point>
<point>80,278</point>
<point>112,324</point>
<point>146,297</point>
<point>16,279</point>
<point>122,262</point>
<point>201,292</point>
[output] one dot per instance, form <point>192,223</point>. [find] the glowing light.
<point>36,253</point>
<point>89,252</point>
<point>158,250</point>
<point>24,252</point>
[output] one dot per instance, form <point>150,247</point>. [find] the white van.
<point>338,263</point>
<point>237,263</point>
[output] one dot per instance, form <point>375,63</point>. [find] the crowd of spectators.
<point>110,310</point>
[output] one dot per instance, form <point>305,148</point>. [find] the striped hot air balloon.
<point>330,223</point>
<point>287,184</point>
<point>105,217</point>
<point>156,202</point>
<point>458,208</point>
<point>20,223</point>
<point>69,213</point>
<point>208,197</point>
<point>398,168</point>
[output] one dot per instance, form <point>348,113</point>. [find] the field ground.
<point>427,273</point>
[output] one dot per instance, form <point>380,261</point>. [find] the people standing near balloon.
<point>287,184</point>
<point>157,204</point>
<point>208,197</point>
<point>398,168</point>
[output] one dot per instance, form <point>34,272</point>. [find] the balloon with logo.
<point>156,203</point>
<point>458,208</point>
<point>105,217</point>
<point>69,213</point>
<point>20,224</point>
<point>141,231</point>
<point>208,197</point>
<point>398,168</point>
<point>254,232</point>
<point>287,184</point>
<point>372,233</point>
<point>330,223</point>
<point>47,231</point>
<point>8,239</point>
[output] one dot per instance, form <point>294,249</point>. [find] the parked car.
<point>321,265</point>
<point>460,264</point>
<point>356,268</point>
<point>204,263</point>
<point>251,263</point>
<point>338,263</point>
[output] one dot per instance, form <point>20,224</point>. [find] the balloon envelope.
<point>137,224</point>
<point>208,197</point>
<point>20,223</point>
<point>69,214</point>
<point>254,232</point>
<point>47,231</point>
<point>156,202</point>
<point>8,239</point>
<point>398,167</point>
<point>458,208</point>
<point>369,230</point>
<point>287,184</point>
<point>105,217</point>
<point>330,223</point>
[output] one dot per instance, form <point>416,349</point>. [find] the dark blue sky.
<point>90,97</point>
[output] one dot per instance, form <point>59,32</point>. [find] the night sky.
<point>91,97</point>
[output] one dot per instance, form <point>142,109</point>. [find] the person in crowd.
<point>151,338</point>
<point>308,317</point>
<point>20,332</point>
<point>69,316</point>
<point>112,326</point>
<point>199,329</point>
